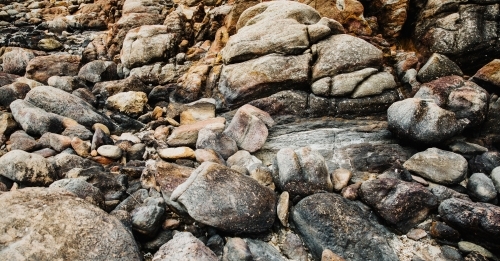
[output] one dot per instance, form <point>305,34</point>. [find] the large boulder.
<point>16,60</point>
<point>53,224</point>
<point>35,121</point>
<point>328,221</point>
<point>41,68</point>
<point>27,168</point>
<point>402,204</point>
<point>223,198</point>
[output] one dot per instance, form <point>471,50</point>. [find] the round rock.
<point>481,187</point>
<point>110,151</point>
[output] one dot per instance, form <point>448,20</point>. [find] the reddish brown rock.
<point>41,68</point>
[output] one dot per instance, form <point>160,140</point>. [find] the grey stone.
<point>243,158</point>
<point>110,88</point>
<point>16,60</point>
<point>438,66</point>
<point>495,177</point>
<point>184,246</point>
<point>35,121</point>
<point>66,83</point>
<point>27,168</point>
<point>293,247</point>
<point>221,143</point>
<point>98,71</point>
<point>110,151</point>
<point>444,193</point>
<point>82,189</point>
<point>236,249</point>
<point>22,141</point>
<point>146,219</point>
<point>481,187</point>
<point>375,84</point>
<point>263,251</point>
<point>344,84</point>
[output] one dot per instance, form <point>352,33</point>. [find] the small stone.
<point>49,44</point>
<point>20,140</point>
<point>293,247</point>
<point>171,223</point>
<point>282,208</point>
<point>416,234</point>
<point>209,155</point>
<point>184,246</point>
<point>328,255</point>
<point>442,231</point>
<point>59,142</point>
<point>102,127</point>
<point>468,247</point>
<point>351,192</point>
<point>131,103</point>
<point>146,219</point>
<point>129,137</point>
<point>438,66</point>
<point>187,135</point>
<point>82,189</point>
<point>176,153</point>
<point>481,187</point>
<point>110,151</point>
<point>218,141</point>
<point>340,178</point>
<point>27,168</point>
<point>236,249</point>
<point>420,180</point>
<point>136,152</point>
<point>82,148</point>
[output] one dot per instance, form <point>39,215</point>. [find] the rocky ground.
<point>248,130</point>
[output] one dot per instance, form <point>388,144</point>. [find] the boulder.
<point>66,83</point>
<point>41,68</point>
<point>82,189</point>
<point>35,121</point>
<point>234,203</point>
<point>481,187</point>
<point>16,60</point>
<point>438,66</point>
<point>110,88</point>
<point>402,204</point>
<point>27,168</point>
<point>375,84</point>
<point>98,71</point>
<point>423,121</point>
<point>301,172</point>
<point>184,246</point>
<point>443,167</point>
<point>328,221</point>
<point>42,226</point>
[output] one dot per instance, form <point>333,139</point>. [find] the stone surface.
<point>131,103</point>
<point>220,142</point>
<point>481,187</point>
<point>495,177</point>
<point>402,204</point>
<point>263,251</point>
<point>110,151</point>
<point>340,178</point>
<point>236,249</point>
<point>187,135</point>
<point>41,68</point>
<point>321,220</point>
<point>98,235</point>
<point>110,88</point>
<point>176,153</point>
<point>439,166</point>
<point>438,66</point>
<point>184,246</point>
<point>16,60</point>
<point>98,71</point>
<point>35,121</point>
<point>226,203</point>
<point>375,84</point>
<point>22,141</point>
<point>82,189</point>
<point>488,76</point>
<point>282,208</point>
<point>27,168</point>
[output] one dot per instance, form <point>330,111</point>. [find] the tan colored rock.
<point>340,178</point>
<point>282,208</point>
<point>41,68</point>
<point>49,44</point>
<point>328,255</point>
<point>101,126</point>
<point>187,135</point>
<point>489,75</point>
<point>131,103</point>
<point>198,112</point>
<point>82,148</point>
<point>176,153</point>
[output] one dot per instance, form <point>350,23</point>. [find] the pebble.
<point>176,153</point>
<point>416,234</point>
<point>110,151</point>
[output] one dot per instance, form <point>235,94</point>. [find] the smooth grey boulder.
<point>249,128</point>
<point>328,221</point>
<point>35,121</point>
<point>481,187</point>
<point>218,196</point>
<point>440,166</point>
<point>146,219</point>
<point>82,189</point>
<point>53,224</point>
<point>65,104</point>
<point>98,71</point>
<point>301,172</point>
<point>423,121</point>
<point>184,246</point>
<point>402,204</point>
<point>438,66</point>
<point>27,168</point>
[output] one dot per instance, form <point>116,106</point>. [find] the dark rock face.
<point>221,197</point>
<point>402,204</point>
<point>477,222</point>
<point>321,220</point>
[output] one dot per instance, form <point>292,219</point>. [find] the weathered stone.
<point>442,231</point>
<point>481,187</point>
<point>110,88</point>
<point>35,121</point>
<point>41,68</point>
<point>321,220</point>
<point>340,178</point>
<point>210,155</point>
<point>328,255</point>
<point>7,123</point>
<point>82,189</point>
<point>343,84</point>
<point>66,83</point>
<point>98,235</point>
<point>211,204</point>
<point>443,193</point>
<point>176,153</point>
<point>488,76</point>
<point>263,251</point>
<point>375,84</point>
<point>184,246</point>
<point>131,103</point>
<point>146,219</point>
<point>98,71</point>
<point>439,166</point>
<point>187,135</point>
<point>485,163</point>
<point>16,60</point>
<point>27,168</point>
<point>402,204</point>
<point>22,141</point>
<point>110,151</point>
<point>495,177</point>
<point>293,247</point>
<point>438,66</point>
<point>221,143</point>
<point>236,249</point>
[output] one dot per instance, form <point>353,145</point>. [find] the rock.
<point>443,193</point>
<point>165,176</point>
<point>162,238</point>
<point>113,186</point>
<point>322,219</point>
<point>236,249</point>
<point>110,151</point>
<point>41,68</point>
<point>176,153</point>
<point>402,204</point>
<point>343,54</point>
<point>221,143</point>
<point>98,71</point>
<point>351,192</point>
<point>49,44</point>
<point>27,168</point>
<point>11,92</point>
<point>416,234</point>
<point>192,83</point>
<point>110,88</point>
<point>131,103</point>
<point>249,128</point>
<point>293,247</point>
<point>78,131</point>
<point>328,255</point>
<point>475,256</point>
<point>96,229</point>
<point>463,147</point>
<point>100,138</point>
<point>481,187</point>
<point>451,253</point>
<point>476,222</point>
<point>212,205</point>
<point>187,135</point>
<point>58,142</point>
<point>82,148</point>
<point>239,83</point>
<point>495,177</point>
<point>16,60</point>
<point>197,111</point>
<point>132,202</point>
<point>342,84</point>
<point>487,77</point>
<point>391,16</point>
<point>302,172</point>
<point>438,66</point>
<point>7,123</point>
<point>485,163</point>
<point>375,84</point>
<point>22,141</point>
<point>468,247</point>
<point>340,179</point>
<point>263,251</point>
<point>439,166</point>
<point>184,246</point>
<point>66,83</point>
<point>146,220</point>
<point>7,78</point>
<point>149,43</point>
<point>62,103</point>
<point>82,189</point>
<point>209,155</point>
<point>35,121</point>
<point>282,208</point>
<point>442,231</point>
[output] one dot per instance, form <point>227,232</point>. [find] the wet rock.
<point>22,141</point>
<point>131,103</point>
<point>98,71</point>
<point>110,151</point>
<point>82,189</point>
<point>212,205</point>
<point>41,68</point>
<point>62,103</point>
<point>423,121</point>
<point>438,66</point>
<point>187,135</point>
<point>236,249</point>
<point>329,215</point>
<point>302,172</point>
<point>402,204</point>
<point>221,143</point>
<point>27,168</point>
<point>263,251</point>
<point>35,121</point>
<point>249,128</point>
<point>477,222</point>
<point>481,187</point>
<point>96,230</point>
<point>439,166</point>
<point>184,246</point>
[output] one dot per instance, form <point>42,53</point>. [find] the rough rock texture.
<point>27,168</point>
<point>41,68</point>
<point>481,187</point>
<point>220,197</point>
<point>82,189</point>
<point>438,66</point>
<point>184,246</point>
<point>40,224</point>
<point>320,220</point>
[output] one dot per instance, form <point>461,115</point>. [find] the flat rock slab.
<point>53,224</point>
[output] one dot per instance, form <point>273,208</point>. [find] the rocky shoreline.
<point>249,130</point>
